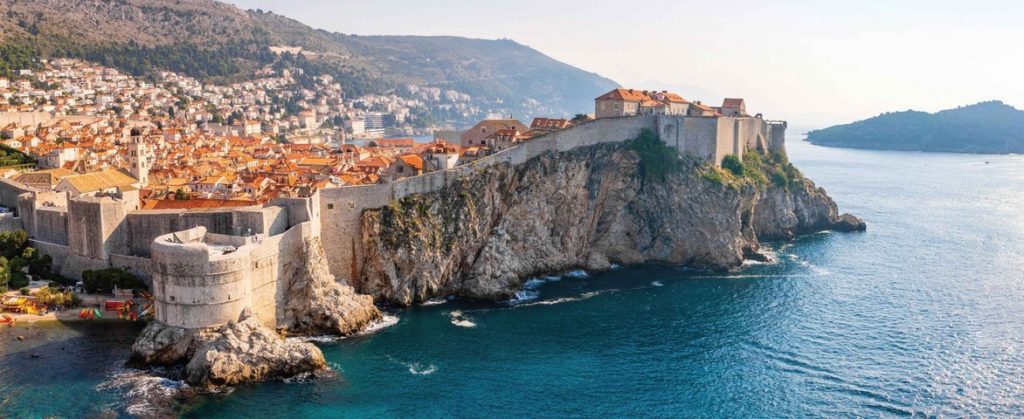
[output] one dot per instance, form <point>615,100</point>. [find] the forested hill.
<point>219,42</point>
<point>987,127</point>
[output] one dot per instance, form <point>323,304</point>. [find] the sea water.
<point>923,314</point>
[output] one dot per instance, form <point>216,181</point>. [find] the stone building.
<point>632,102</point>
<point>477,135</point>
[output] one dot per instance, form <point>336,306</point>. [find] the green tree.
<point>5,274</point>
<point>104,280</point>
<point>12,243</point>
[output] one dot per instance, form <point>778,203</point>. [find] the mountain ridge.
<point>221,43</point>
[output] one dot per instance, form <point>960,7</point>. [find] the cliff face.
<point>586,208</point>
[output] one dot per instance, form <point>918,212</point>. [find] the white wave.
<point>657,283</point>
<point>458,318</point>
<point>579,273</point>
<point>524,295</point>
<point>561,300</point>
<point>386,321</point>
<point>419,369</point>
<point>614,267</point>
<point>434,302</point>
<point>552,278</point>
<point>316,339</point>
<point>533,283</point>
<point>143,391</point>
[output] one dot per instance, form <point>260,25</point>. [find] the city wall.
<point>199,284</point>
<point>203,279</point>
<point>707,138</point>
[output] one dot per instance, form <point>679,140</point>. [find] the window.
<point>330,206</point>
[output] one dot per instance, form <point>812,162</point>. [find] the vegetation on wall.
<point>756,168</point>
<point>657,159</point>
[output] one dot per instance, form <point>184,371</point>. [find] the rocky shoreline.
<point>480,238</point>
<point>587,208</point>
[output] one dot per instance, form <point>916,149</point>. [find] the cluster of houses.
<point>629,102</point>
<point>183,144</point>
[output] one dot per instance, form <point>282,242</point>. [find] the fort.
<point>205,266</point>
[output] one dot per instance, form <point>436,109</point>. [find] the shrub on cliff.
<point>657,159</point>
<point>104,280</point>
<point>733,164</point>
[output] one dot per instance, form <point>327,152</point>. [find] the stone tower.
<point>138,157</point>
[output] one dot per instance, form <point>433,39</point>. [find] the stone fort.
<point>205,266</point>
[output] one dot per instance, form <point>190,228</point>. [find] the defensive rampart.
<point>707,138</point>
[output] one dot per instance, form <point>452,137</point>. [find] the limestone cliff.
<point>588,208</point>
<point>316,303</point>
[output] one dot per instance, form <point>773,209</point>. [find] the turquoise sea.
<point>922,315</point>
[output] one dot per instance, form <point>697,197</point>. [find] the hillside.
<point>987,127</point>
<point>219,42</point>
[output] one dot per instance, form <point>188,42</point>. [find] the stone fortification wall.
<point>197,284</point>
<point>32,119</point>
<point>59,252</point>
<point>9,192</point>
<point>145,226</point>
<point>709,139</point>
<point>49,224</point>
<point>8,222</point>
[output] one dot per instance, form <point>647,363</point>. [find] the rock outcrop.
<point>247,351</point>
<point>316,303</point>
<point>234,353</point>
<point>586,208</point>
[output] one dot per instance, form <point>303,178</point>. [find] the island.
<point>987,127</point>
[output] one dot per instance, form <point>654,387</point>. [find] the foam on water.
<point>579,273</point>
<point>386,321</point>
<point>316,339</point>
<point>434,302</point>
<point>419,369</point>
<point>459,318</point>
<point>524,295</point>
<point>533,283</point>
<point>145,394</point>
<point>657,283</point>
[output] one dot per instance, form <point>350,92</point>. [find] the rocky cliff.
<point>587,208</point>
<point>248,351</point>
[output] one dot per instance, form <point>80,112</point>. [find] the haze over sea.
<point>922,314</point>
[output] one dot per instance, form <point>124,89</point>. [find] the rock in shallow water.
<point>247,351</point>
<point>235,353</point>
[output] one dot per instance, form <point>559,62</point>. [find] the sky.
<point>813,63</point>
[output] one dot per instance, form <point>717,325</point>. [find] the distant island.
<point>986,127</point>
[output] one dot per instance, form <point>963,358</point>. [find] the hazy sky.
<point>811,62</point>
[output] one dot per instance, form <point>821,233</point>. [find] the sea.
<point>922,315</point>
